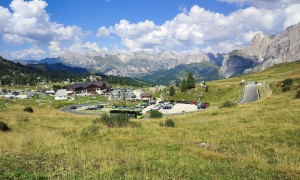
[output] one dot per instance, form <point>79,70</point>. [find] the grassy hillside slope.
<point>223,90</point>
<point>252,141</point>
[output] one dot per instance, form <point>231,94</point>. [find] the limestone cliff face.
<point>263,53</point>
<point>137,63</point>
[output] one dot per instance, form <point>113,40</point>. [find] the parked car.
<point>100,106</point>
<point>202,105</point>
<point>138,107</point>
<point>155,108</point>
<point>152,102</point>
<point>167,107</point>
<point>144,105</point>
<point>73,107</point>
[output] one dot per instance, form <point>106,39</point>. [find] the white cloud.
<point>103,32</point>
<point>76,47</point>
<point>33,52</point>
<point>202,28</point>
<point>292,15</point>
<point>27,23</point>
<point>54,49</point>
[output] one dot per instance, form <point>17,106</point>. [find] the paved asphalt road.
<point>250,94</point>
<point>75,111</point>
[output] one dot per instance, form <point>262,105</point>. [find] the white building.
<point>61,94</point>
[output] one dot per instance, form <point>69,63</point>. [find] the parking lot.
<point>176,109</point>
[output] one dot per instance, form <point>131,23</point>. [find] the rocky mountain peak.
<point>264,52</point>
<point>256,39</point>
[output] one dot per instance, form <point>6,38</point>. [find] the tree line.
<point>186,84</point>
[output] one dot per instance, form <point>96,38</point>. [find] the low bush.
<point>117,120</point>
<point>228,104</point>
<point>161,123</point>
<point>155,114</point>
<point>298,94</point>
<point>287,82</point>
<point>286,88</point>
<point>28,109</point>
<point>90,130</point>
<point>4,127</point>
<point>167,123</point>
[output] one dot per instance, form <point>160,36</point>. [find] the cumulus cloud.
<point>33,52</point>
<point>27,22</point>
<point>196,29</point>
<point>78,47</point>
<point>204,29</point>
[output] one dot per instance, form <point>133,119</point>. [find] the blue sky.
<point>49,28</point>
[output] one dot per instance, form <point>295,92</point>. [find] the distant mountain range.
<point>58,67</point>
<point>15,73</point>
<point>165,67</point>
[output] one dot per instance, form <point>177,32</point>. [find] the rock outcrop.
<point>263,52</point>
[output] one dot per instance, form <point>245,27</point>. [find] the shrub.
<point>206,89</point>
<point>214,113</point>
<point>90,130</point>
<point>298,94</point>
<point>117,120</point>
<point>286,88</point>
<point>169,123</point>
<point>228,104</point>
<point>155,114</point>
<point>287,82</point>
<point>161,124</point>
<point>4,127</point>
<point>28,109</point>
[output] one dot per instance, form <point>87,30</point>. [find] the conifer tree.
<point>172,91</point>
<point>183,86</point>
<point>190,82</point>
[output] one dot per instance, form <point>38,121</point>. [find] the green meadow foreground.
<point>258,140</point>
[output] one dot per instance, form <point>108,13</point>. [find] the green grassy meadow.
<point>258,140</point>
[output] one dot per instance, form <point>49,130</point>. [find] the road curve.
<point>250,94</point>
<point>75,111</point>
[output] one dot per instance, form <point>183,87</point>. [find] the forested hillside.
<point>17,74</point>
<point>204,71</point>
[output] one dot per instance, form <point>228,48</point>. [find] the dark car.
<point>167,107</point>
<point>202,105</point>
<point>100,106</point>
<point>152,102</point>
<point>73,107</point>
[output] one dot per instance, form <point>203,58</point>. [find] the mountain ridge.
<point>263,52</point>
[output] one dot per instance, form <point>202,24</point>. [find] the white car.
<point>155,108</point>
